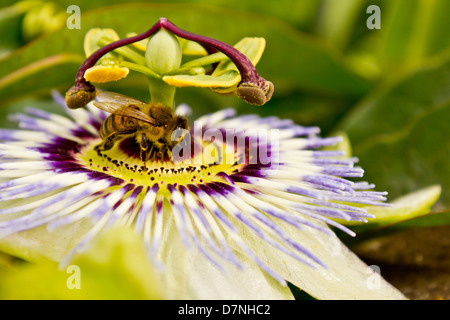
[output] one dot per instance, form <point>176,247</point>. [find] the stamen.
<point>252,88</point>
<point>232,232</point>
<point>209,228</point>
<point>209,202</point>
<point>236,207</point>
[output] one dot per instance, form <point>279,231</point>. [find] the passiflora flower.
<point>237,208</point>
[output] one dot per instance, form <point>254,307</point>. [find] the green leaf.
<point>298,13</point>
<point>38,76</point>
<point>11,21</point>
<point>337,20</point>
<point>437,38</point>
<point>399,131</point>
<point>290,57</point>
<point>398,32</point>
<point>412,30</point>
<point>115,267</point>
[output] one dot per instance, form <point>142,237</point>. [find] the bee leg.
<point>110,140</point>
<point>163,152</point>
<point>152,153</point>
<point>107,144</point>
<point>144,155</point>
<point>144,147</point>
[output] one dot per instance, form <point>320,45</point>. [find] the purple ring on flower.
<point>50,162</point>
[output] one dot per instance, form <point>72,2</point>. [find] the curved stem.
<point>93,58</point>
<point>244,65</point>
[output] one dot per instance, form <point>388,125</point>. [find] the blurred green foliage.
<point>388,89</point>
<point>115,267</point>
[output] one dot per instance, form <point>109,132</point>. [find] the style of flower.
<point>242,205</point>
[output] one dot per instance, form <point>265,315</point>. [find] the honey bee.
<point>150,124</point>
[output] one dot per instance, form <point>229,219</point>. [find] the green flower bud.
<point>163,52</point>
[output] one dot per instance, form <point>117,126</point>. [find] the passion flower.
<point>239,195</point>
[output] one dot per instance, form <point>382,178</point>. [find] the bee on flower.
<point>223,203</point>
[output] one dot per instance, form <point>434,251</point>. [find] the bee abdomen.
<point>116,123</point>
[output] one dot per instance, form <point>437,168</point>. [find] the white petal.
<point>38,244</point>
<point>346,276</point>
<point>189,275</point>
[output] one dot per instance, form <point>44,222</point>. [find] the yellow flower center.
<point>201,168</point>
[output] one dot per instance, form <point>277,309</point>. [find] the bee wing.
<point>123,110</point>
<point>115,97</point>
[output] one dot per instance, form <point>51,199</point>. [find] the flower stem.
<point>161,92</point>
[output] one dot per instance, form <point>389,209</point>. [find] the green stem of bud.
<point>161,92</point>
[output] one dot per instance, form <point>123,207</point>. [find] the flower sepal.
<point>406,207</point>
